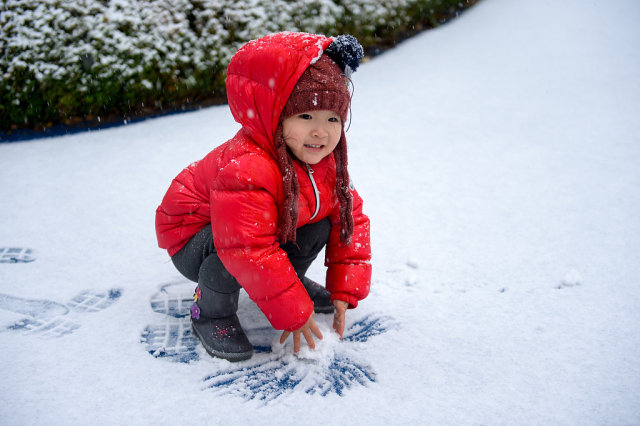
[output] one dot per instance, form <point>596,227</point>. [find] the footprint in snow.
<point>47,318</point>
<point>272,372</point>
<point>16,255</point>
<point>173,338</point>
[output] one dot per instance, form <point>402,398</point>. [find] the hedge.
<point>88,60</point>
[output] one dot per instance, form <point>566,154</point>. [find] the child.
<point>256,211</point>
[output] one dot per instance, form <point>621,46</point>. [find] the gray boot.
<point>320,297</point>
<point>214,321</point>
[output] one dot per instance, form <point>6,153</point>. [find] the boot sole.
<point>232,357</point>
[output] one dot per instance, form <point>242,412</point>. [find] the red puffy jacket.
<point>238,189</point>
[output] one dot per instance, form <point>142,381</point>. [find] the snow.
<point>498,160</point>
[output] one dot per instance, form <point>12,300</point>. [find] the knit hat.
<point>323,86</point>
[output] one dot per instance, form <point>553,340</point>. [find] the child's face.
<point>312,135</point>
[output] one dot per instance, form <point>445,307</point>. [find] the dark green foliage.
<point>93,60</point>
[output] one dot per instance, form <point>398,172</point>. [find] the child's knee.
<point>312,237</point>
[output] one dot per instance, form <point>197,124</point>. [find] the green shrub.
<point>63,61</point>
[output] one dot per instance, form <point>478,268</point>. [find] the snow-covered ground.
<point>498,157</point>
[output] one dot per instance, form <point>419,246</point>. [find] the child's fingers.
<point>309,338</point>
<point>338,328</point>
<point>296,341</point>
<point>338,322</point>
<point>341,328</point>
<point>284,336</point>
<point>314,328</point>
<point>340,307</point>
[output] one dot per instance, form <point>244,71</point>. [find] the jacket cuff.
<point>354,280</point>
<point>295,327</point>
<point>345,297</point>
<point>290,310</point>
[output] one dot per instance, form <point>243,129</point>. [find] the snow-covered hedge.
<point>66,61</point>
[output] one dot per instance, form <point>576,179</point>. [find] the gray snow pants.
<point>198,260</point>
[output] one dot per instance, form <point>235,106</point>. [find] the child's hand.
<point>338,316</point>
<point>306,330</point>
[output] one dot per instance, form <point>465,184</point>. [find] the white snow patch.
<point>571,279</point>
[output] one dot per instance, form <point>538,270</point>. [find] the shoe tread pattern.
<point>47,318</point>
<point>16,255</point>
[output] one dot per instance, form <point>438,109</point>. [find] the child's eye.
<point>334,119</point>
<point>305,116</point>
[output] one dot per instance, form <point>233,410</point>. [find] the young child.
<point>256,211</point>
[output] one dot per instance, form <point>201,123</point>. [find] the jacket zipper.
<point>316,194</point>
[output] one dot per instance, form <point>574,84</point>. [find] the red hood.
<point>261,77</point>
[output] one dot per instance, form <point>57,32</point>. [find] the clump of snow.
<point>412,280</point>
<point>571,279</point>
<point>325,348</point>
<point>412,262</point>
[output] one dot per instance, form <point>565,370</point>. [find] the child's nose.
<point>320,131</point>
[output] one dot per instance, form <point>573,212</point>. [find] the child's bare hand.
<point>305,330</point>
<point>339,315</point>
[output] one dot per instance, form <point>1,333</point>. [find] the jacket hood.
<point>261,77</point>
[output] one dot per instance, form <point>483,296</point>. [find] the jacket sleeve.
<point>183,212</point>
<point>349,267</point>
<point>244,220</point>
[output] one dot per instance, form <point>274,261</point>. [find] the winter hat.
<point>323,86</point>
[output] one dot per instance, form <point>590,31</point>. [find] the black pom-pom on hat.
<point>346,52</point>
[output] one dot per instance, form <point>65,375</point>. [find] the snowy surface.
<point>498,158</point>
